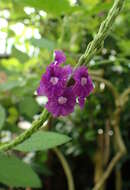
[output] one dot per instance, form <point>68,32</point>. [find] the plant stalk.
<point>66,168</point>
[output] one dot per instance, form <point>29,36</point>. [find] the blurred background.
<point>29,33</point>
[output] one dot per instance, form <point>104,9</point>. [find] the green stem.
<point>25,135</point>
<point>126,92</point>
<point>66,168</point>
<point>99,72</point>
<point>93,47</point>
<point>108,84</point>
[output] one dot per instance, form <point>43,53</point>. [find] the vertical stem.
<point>66,168</point>
<point>118,185</point>
<point>121,149</point>
<point>106,143</point>
<point>99,169</point>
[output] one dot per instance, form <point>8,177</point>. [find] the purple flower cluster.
<point>55,85</point>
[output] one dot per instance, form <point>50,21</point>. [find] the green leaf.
<point>43,141</point>
<point>22,57</point>
<point>124,46</point>
<point>28,106</point>
<point>90,135</point>
<point>15,173</point>
<point>4,4</point>
<point>90,2</point>
<point>9,85</point>
<point>43,43</point>
<point>31,84</point>
<point>2,116</point>
<point>56,8</point>
<point>17,12</point>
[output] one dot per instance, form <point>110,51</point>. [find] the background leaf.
<point>28,106</point>
<point>43,141</point>
<point>49,6</point>
<point>16,173</point>
<point>21,56</point>
<point>9,85</point>
<point>43,43</point>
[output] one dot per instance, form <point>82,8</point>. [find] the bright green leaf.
<point>43,141</point>
<point>12,115</point>
<point>28,106</point>
<point>90,2</point>
<point>15,173</point>
<point>56,8</point>
<point>43,43</point>
<point>124,46</point>
<point>22,57</point>
<point>2,116</point>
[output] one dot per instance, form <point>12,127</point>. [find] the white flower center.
<point>54,80</point>
<point>62,100</point>
<point>55,62</point>
<point>83,81</point>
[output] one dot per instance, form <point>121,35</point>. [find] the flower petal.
<point>62,109</point>
<point>59,57</point>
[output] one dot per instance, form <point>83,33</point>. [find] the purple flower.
<point>83,84</point>
<point>81,101</point>
<point>54,80</point>
<point>62,87</point>
<point>62,104</point>
<point>59,57</point>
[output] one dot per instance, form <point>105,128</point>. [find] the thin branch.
<point>107,61</point>
<point>108,84</point>
<point>98,72</point>
<point>108,171</point>
<point>124,96</point>
<point>66,168</point>
<point>126,93</point>
<point>107,142</point>
<point>25,135</point>
<point>121,152</point>
<point>98,163</point>
<point>118,180</point>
